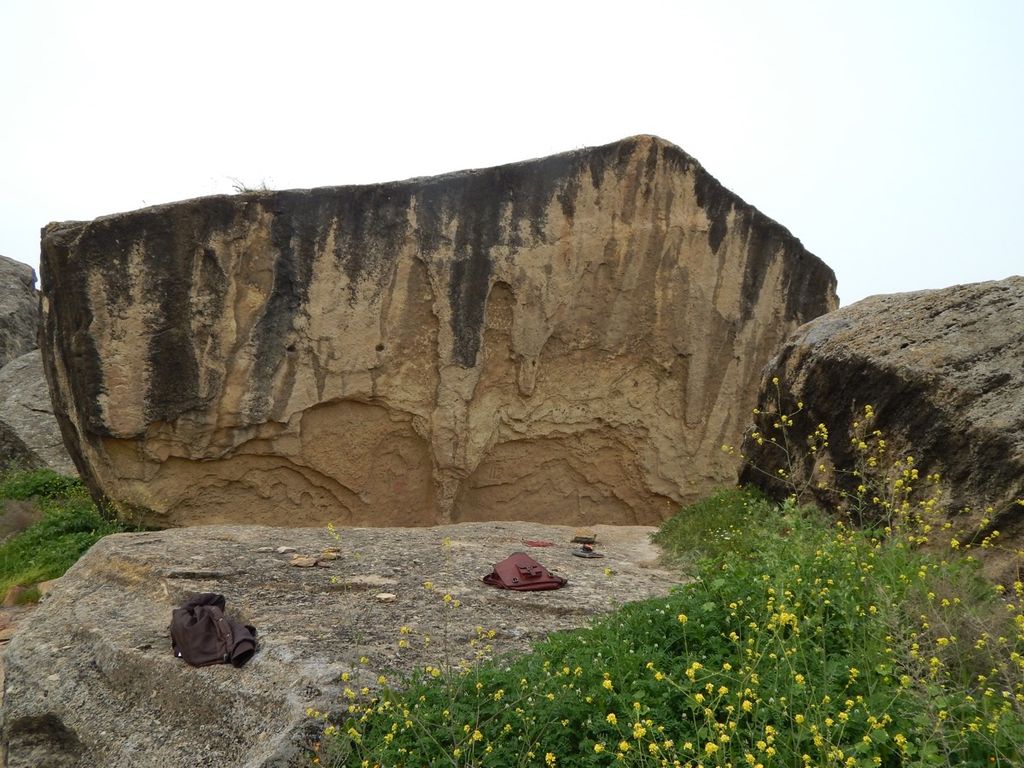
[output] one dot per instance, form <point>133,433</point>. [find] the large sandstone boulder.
<point>91,681</point>
<point>19,309</point>
<point>567,339</point>
<point>944,373</point>
<point>29,435</point>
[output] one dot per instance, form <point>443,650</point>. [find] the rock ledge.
<point>91,683</point>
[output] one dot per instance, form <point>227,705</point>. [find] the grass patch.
<point>71,524</point>
<point>800,643</point>
<point>41,484</point>
<point>705,529</point>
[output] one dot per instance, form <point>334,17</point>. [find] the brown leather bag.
<point>521,572</point>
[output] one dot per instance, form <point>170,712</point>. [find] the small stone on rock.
<point>386,597</point>
<point>46,587</point>
<point>303,561</point>
<point>285,550</point>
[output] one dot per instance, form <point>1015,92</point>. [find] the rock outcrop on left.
<point>91,681</point>
<point>567,339</point>
<point>29,435</point>
<point>19,309</point>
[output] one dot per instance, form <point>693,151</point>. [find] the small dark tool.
<point>587,550</point>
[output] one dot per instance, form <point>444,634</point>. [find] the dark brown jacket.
<point>201,634</point>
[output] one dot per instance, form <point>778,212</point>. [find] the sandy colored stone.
<point>47,587</point>
<point>566,340</point>
<point>944,372</point>
<point>91,681</point>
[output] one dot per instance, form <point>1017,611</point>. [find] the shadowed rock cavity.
<point>568,339</point>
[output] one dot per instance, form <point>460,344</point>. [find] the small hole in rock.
<point>380,347</point>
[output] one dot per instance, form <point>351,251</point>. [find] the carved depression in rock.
<point>568,339</point>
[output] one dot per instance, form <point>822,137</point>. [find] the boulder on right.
<point>943,371</point>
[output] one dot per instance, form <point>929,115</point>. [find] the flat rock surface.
<point>91,681</point>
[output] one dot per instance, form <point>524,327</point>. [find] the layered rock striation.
<point>568,339</point>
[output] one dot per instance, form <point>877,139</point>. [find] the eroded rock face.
<point>91,681</point>
<point>566,339</point>
<point>29,435</point>
<point>944,372</point>
<point>19,309</point>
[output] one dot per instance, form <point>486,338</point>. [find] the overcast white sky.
<point>888,136</point>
